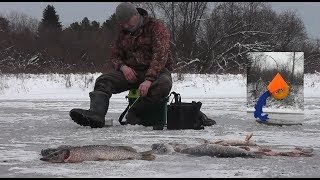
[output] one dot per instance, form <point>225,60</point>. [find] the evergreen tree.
<point>50,21</point>
<point>75,27</point>
<point>85,24</point>
<point>95,25</point>
<point>110,23</point>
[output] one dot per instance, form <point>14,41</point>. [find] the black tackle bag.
<point>183,115</point>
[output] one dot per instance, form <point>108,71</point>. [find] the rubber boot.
<point>95,116</point>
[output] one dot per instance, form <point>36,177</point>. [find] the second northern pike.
<point>69,154</point>
<point>214,150</point>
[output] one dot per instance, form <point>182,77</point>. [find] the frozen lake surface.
<point>27,126</point>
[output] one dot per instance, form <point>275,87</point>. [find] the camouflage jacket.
<point>146,49</point>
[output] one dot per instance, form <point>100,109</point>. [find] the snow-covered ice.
<point>34,115</point>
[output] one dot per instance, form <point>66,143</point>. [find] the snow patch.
<point>78,86</point>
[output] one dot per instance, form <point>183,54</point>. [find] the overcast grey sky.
<point>75,11</point>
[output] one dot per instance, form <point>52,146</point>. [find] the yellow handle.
<point>134,93</point>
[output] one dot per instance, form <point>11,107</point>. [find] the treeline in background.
<point>206,37</point>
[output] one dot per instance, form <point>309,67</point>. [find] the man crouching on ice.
<point>141,59</point>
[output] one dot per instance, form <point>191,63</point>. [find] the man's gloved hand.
<point>129,73</point>
<point>144,87</point>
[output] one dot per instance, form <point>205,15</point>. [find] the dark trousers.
<point>115,82</point>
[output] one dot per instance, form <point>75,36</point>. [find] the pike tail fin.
<point>147,155</point>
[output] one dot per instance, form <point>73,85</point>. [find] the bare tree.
<point>20,22</point>
<point>311,49</point>
<point>229,35</point>
<point>295,35</point>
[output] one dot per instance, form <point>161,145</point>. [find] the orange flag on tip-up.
<point>278,87</point>
<point>277,83</point>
